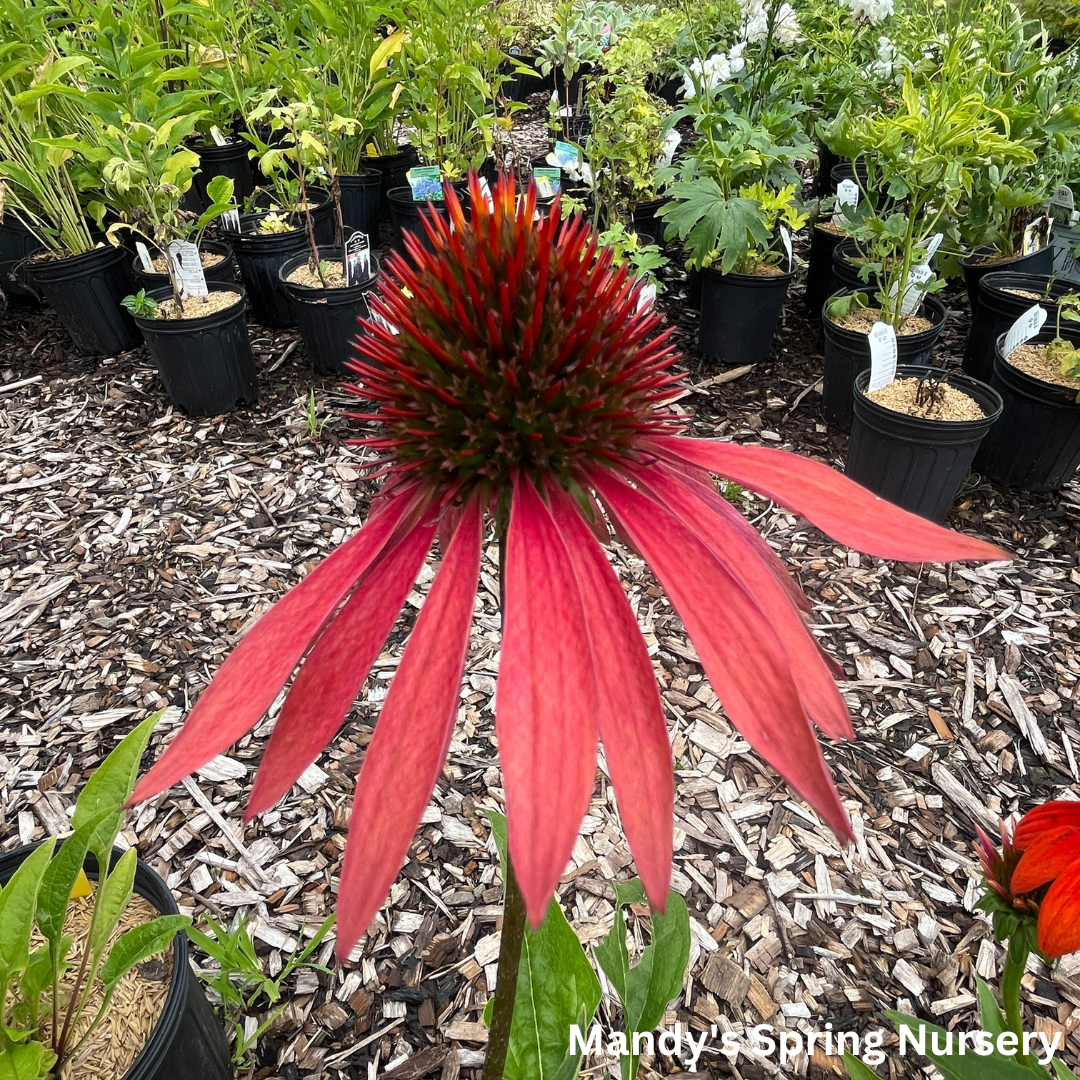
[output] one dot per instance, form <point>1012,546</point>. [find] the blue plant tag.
<point>426,183</point>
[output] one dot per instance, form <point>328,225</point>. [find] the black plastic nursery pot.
<point>1038,262</point>
<point>323,217</point>
<point>230,160</point>
<point>739,313</point>
<point>329,319</point>
<point>189,1039</point>
<point>405,214</point>
<point>845,271</point>
<point>221,271</point>
<point>260,257</point>
<point>205,363</point>
<point>644,217</point>
<point>916,462</point>
<point>997,309</point>
<point>16,243</point>
<point>848,352</point>
<point>819,268</point>
<point>85,291</point>
<point>1036,444</point>
<point>823,181</point>
<point>393,169</point>
<point>361,203</point>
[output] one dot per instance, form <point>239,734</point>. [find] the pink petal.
<point>742,656</point>
<point>545,711</point>
<point>631,717</point>
<point>255,671</point>
<point>838,506</point>
<point>713,520</point>
<point>335,669</point>
<point>406,753</point>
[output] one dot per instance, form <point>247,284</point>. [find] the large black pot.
<point>1036,444</point>
<point>845,271</point>
<point>847,353</point>
<point>85,291</point>
<point>222,271</point>
<point>1038,262</point>
<point>329,319</point>
<point>205,363</point>
<point>230,160</point>
<point>645,220</point>
<point>260,257</point>
<point>997,309</point>
<point>361,203</point>
<point>739,313</point>
<point>823,181</point>
<point>819,269</point>
<point>188,1040</point>
<point>393,168</point>
<point>917,463</point>
<point>323,216</point>
<point>405,214</point>
<point>16,243</point>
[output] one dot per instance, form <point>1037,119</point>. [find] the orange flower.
<point>1049,837</point>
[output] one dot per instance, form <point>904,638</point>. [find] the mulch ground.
<point>136,545</point>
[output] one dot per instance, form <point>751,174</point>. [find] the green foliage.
<point>1064,353</point>
<point>314,425</point>
<point>644,259</point>
<point>140,304</point>
<point>39,892</point>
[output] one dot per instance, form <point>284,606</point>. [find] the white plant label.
<point>357,258</point>
<point>1025,328</point>
<point>215,134</point>
<point>882,356</point>
<point>230,220</point>
<point>847,197</point>
<point>785,236</point>
<point>1036,235</point>
<point>485,190</point>
<point>933,245</point>
<point>913,294</point>
<point>1063,205</point>
<point>144,256</point>
<point>187,268</point>
<point>646,296</point>
<point>377,318</point>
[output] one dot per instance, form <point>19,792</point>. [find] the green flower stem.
<point>513,927</point>
<point>1015,964</point>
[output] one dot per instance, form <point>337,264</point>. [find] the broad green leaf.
<point>138,943</point>
<point>26,1061</point>
<point>110,786</point>
<point>38,973</point>
<point>956,1066</point>
<point>60,877</point>
<point>381,56</point>
<point>18,904</point>
<point>1063,1072</point>
<point>113,897</point>
<point>557,987</point>
<point>856,1070</point>
<point>989,1012</point>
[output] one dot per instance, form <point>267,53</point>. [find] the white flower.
<point>756,23</point>
<point>710,74</point>
<point>735,58</point>
<point>873,11</point>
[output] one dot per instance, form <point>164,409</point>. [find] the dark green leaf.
<point>114,895</point>
<point>18,904</point>
<point>60,878</point>
<point>137,944</point>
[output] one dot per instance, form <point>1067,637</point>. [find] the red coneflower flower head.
<point>516,376</point>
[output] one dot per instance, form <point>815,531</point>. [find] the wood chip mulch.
<point>137,545</point>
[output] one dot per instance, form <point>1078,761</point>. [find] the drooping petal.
<point>838,506</point>
<point>711,521</point>
<point>1059,915</point>
<point>1048,856</point>
<point>413,731</point>
<point>545,701</point>
<point>247,683</point>
<point>632,726</point>
<point>335,669</point>
<point>743,659</point>
<point>1045,818</point>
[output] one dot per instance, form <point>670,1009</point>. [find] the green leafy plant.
<point>240,981</point>
<point>1059,351</point>
<point>142,305</point>
<point>38,1020</point>
<point>644,259</point>
<point>315,426</point>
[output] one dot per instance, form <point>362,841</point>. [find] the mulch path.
<point>136,545</point>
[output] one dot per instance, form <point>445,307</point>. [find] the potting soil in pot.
<point>931,401</point>
<point>331,272</point>
<point>195,307</point>
<point>206,258</point>
<point>862,320</point>
<point>136,1005</point>
<point>1032,360</point>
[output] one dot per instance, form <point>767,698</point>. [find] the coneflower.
<point>524,384</point>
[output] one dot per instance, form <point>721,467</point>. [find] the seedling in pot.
<point>839,306</point>
<point>1064,353</point>
<point>146,307</point>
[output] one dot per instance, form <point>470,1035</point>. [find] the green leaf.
<point>27,1061</point>
<point>113,897</point>
<point>989,1012</point>
<point>60,877</point>
<point>857,1070</point>
<point>18,903</point>
<point>1063,1072</point>
<point>557,987</point>
<point>110,786</point>
<point>138,943</point>
<point>955,1066</point>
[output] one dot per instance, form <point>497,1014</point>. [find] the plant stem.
<point>513,927</point>
<point>1015,963</point>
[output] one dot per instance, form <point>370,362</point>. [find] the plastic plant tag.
<point>1025,328</point>
<point>548,182</point>
<point>144,256</point>
<point>566,154</point>
<point>371,151</point>
<point>1063,205</point>
<point>357,258</point>
<point>605,36</point>
<point>847,195</point>
<point>215,134</point>
<point>377,318</point>
<point>485,191</point>
<point>671,144</point>
<point>785,236</point>
<point>187,268</point>
<point>1036,235</point>
<point>646,296</point>
<point>426,183</point>
<point>230,220</point>
<point>515,50</point>
<point>933,244</point>
<point>917,275</point>
<point>882,356</point>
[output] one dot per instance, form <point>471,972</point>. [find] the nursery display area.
<point>539,540</point>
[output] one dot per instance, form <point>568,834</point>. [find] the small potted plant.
<point>87,927</point>
<point>1037,444</point>
<point>568,55</point>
